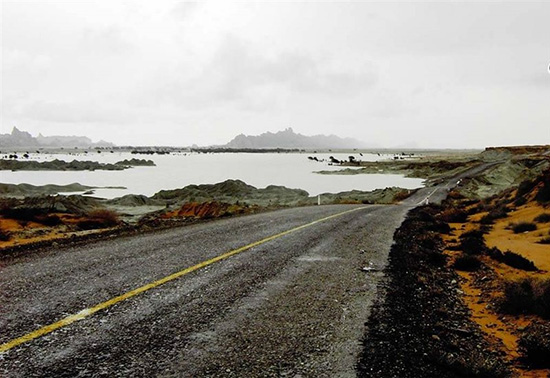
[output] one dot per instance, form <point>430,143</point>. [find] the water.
<point>293,170</point>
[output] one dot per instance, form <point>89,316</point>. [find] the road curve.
<point>292,305</point>
<point>284,293</point>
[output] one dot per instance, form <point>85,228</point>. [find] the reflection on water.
<point>293,170</point>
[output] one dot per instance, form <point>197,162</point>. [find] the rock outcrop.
<point>289,139</point>
<point>19,138</point>
<point>234,191</point>
<point>75,165</point>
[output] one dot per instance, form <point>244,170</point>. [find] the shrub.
<point>454,216</point>
<point>4,235</point>
<point>108,217</point>
<point>527,296</point>
<point>26,214</point>
<point>535,344</point>
<point>518,297</point>
<point>517,261</point>
<point>467,263</point>
<point>49,220</point>
<point>520,227</point>
<point>520,201</point>
<point>543,195</point>
<point>472,242</point>
<point>542,218</point>
<point>402,195</point>
<point>31,214</point>
<point>524,188</point>
<point>498,212</point>
<point>100,218</point>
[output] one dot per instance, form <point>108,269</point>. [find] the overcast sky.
<point>178,73</point>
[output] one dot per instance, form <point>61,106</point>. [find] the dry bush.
<point>527,296</point>
<point>100,218</point>
<point>402,195</point>
<point>535,344</point>
<point>524,188</point>
<point>521,227</point>
<point>454,215</point>
<point>498,212</point>
<point>520,201</point>
<point>25,214</point>
<point>472,242</point>
<point>4,235</point>
<point>49,220</point>
<point>543,195</point>
<point>512,259</point>
<point>467,263</point>
<point>542,218</point>
<point>109,217</point>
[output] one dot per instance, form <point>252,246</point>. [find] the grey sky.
<point>178,73</point>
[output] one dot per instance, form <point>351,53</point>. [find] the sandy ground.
<point>482,289</point>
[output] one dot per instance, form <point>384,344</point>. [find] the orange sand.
<point>524,244</point>
<point>503,330</point>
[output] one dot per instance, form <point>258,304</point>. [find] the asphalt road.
<point>291,304</point>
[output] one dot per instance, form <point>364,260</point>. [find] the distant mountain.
<point>19,138</point>
<point>289,139</point>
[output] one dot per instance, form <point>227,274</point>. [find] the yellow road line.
<point>103,305</point>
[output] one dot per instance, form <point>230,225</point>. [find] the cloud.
<point>237,72</point>
<point>185,9</point>
<point>75,112</point>
<point>213,70</point>
<point>18,59</point>
<point>105,40</point>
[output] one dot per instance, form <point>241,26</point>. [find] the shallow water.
<point>293,170</point>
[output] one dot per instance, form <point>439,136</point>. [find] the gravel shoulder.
<point>421,327</point>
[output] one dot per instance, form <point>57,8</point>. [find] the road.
<point>284,293</point>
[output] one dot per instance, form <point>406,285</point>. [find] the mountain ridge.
<point>289,139</point>
<point>19,138</point>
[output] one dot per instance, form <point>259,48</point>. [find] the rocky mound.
<point>210,209</point>
<point>75,165</point>
<point>73,204</point>
<point>22,190</point>
<point>501,176</point>
<point>131,200</point>
<point>235,191</point>
<point>136,163</point>
<point>379,196</point>
<point>497,153</point>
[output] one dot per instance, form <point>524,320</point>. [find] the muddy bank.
<point>509,167</point>
<point>422,328</point>
<point>425,168</point>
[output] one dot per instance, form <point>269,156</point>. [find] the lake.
<point>293,170</point>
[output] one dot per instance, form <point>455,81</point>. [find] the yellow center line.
<point>103,305</point>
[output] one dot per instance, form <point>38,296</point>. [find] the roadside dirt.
<point>484,288</point>
<point>423,328</point>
